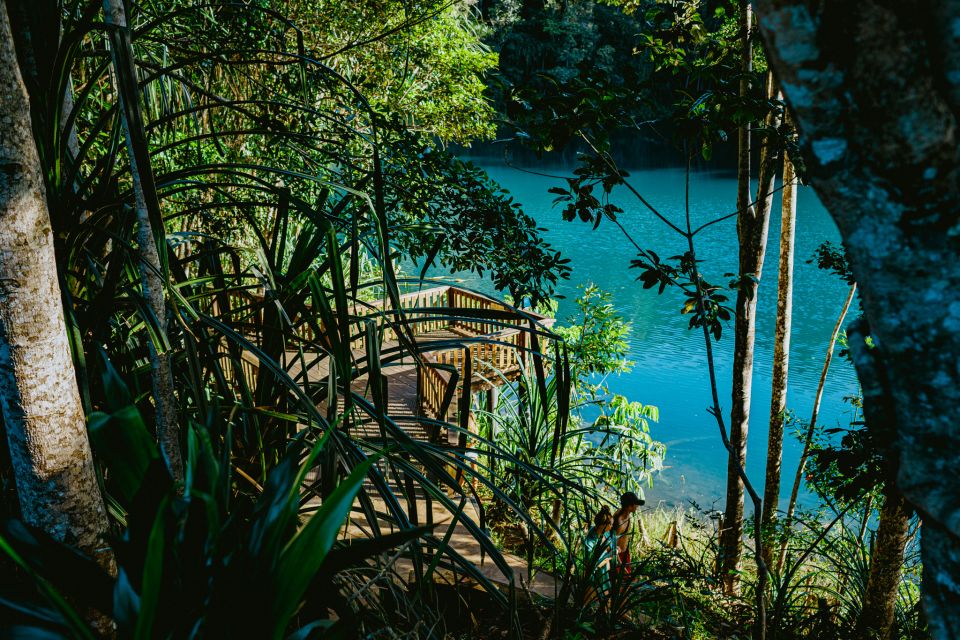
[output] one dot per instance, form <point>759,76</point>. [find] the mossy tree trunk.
<point>877,617</point>
<point>875,90</point>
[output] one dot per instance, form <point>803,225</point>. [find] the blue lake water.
<point>670,368</point>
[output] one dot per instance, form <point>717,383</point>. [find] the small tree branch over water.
<point>812,426</point>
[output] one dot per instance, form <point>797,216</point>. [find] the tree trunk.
<point>753,224</point>
<point>875,90</point>
<point>811,428</point>
<point>781,356</point>
<point>877,616</point>
<point>732,530</point>
<point>161,371</point>
<point>44,421</point>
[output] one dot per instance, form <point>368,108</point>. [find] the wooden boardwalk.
<point>490,352</point>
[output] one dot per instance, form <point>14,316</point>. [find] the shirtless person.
<point>629,502</point>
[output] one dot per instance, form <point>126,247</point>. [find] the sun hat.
<point>630,498</point>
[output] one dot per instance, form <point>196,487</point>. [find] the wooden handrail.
<point>502,356</point>
<point>444,296</point>
<point>432,385</point>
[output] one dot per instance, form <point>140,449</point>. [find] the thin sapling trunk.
<point>781,354</point>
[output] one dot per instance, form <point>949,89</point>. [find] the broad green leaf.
<point>152,576</point>
<point>122,440</point>
<point>304,555</point>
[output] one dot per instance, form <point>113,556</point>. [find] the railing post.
<point>451,297</point>
<point>466,397</point>
<point>493,396</point>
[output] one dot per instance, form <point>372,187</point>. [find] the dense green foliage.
<point>291,157</point>
<point>573,428</point>
<point>276,189</point>
<point>424,62</point>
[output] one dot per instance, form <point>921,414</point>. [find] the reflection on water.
<point>670,369</point>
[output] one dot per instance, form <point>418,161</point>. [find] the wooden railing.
<point>467,300</point>
<point>427,298</point>
<point>432,386</point>
<point>498,356</point>
<point>418,324</point>
<point>506,339</point>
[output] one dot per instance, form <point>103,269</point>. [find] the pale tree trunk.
<point>42,415</point>
<point>753,224</point>
<point>781,354</point>
<point>743,134</point>
<point>811,428</point>
<point>877,616</point>
<point>161,371</point>
<point>875,91</point>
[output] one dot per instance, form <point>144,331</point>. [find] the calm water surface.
<point>670,365</point>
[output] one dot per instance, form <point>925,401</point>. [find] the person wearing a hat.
<point>622,518</point>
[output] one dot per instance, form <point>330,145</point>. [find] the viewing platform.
<point>449,335</point>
